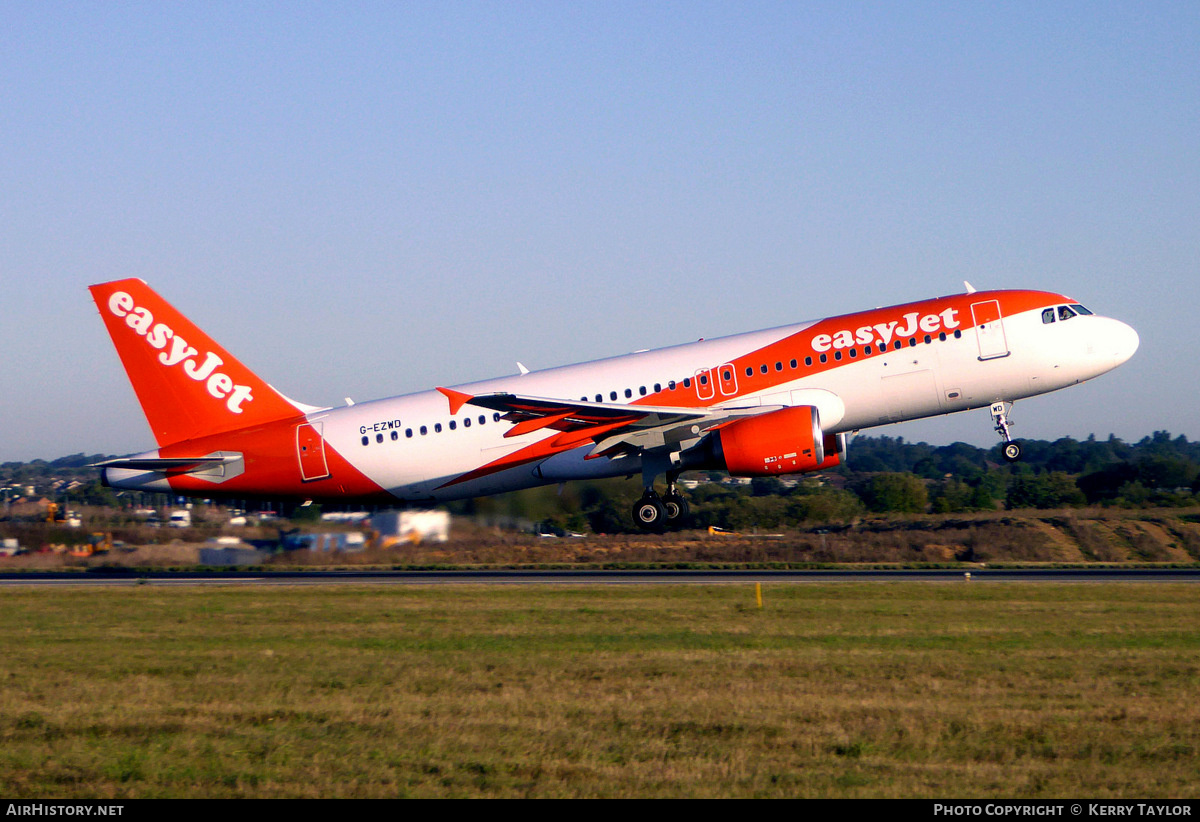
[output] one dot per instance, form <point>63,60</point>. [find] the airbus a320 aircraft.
<point>766,403</point>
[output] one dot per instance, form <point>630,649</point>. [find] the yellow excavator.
<point>99,542</point>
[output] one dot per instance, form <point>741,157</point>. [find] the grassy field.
<point>873,689</point>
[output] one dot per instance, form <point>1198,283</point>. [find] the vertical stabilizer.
<point>188,385</point>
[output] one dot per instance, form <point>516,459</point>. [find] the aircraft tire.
<point>1012,451</point>
<point>677,508</point>
<point>650,514</point>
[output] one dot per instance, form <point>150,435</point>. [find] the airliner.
<point>764,403</point>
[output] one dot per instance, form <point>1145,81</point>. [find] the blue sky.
<point>367,199</point>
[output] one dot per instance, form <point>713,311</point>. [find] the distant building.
<point>349,542</point>
<point>411,526</point>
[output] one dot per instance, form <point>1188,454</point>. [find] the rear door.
<point>310,451</point>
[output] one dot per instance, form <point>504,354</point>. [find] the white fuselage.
<point>405,444</point>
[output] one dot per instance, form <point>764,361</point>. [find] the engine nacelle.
<point>835,451</point>
<point>787,441</point>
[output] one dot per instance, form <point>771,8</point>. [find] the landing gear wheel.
<point>1012,448</point>
<point>650,514</point>
<point>677,507</point>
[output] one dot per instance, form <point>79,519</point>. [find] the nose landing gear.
<point>1012,448</point>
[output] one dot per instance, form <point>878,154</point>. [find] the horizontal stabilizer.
<point>166,465</point>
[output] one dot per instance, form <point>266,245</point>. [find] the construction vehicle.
<point>99,542</point>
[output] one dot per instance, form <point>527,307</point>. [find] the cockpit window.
<point>1065,312</point>
<point>1048,315</point>
<point>1079,309</point>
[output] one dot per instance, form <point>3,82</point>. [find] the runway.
<point>110,576</point>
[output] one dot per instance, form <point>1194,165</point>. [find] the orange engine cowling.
<point>788,441</point>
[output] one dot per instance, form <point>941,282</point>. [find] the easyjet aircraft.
<point>772,402</point>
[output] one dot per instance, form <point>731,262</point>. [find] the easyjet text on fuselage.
<point>883,333</point>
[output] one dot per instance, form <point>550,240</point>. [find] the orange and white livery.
<point>779,401</point>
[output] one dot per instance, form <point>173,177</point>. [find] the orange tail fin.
<point>189,386</point>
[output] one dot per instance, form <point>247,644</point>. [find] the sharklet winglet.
<point>457,399</point>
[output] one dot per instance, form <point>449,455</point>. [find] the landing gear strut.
<point>1012,448</point>
<point>655,513</point>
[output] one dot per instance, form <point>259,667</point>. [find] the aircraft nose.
<point>1122,341</point>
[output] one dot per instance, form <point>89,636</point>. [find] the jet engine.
<point>787,441</point>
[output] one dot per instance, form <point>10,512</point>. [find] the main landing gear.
<point>1012,448</point>
<point>655,513</point>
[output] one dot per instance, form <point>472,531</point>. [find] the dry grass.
<point>1064,536</point>
<point>876,689</point>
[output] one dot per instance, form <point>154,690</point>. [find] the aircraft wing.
<point>615,428</point>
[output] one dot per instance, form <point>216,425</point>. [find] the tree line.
<point>882,475</point>
<point>889,475</point>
